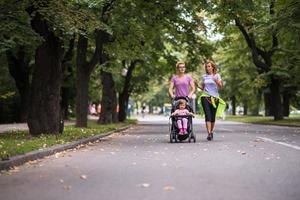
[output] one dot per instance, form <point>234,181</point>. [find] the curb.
<point>270,124</point>
<point>34,155</point>
<point>285,125</point>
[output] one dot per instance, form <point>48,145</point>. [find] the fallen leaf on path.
<point>169,188</point>
<point>57,155</point>
<point>258,140</point>
<point>145,185</point>
<point>84,177</point>
<point>14,169</point>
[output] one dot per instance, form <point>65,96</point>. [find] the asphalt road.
<point>244,161</point>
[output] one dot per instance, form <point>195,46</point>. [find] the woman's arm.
<point>218,81</point>
<point>199,84</point>
<point>171,86</point>
<point>192,84</point>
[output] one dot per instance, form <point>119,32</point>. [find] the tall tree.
<point>44,109</point>
<point>248,18</point>
<point>52,21</point>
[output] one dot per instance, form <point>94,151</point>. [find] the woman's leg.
<point>207,111</point>
<point>213,114</point>
<point>212,127</point>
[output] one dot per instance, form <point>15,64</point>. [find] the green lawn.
<point>289,121</point>
<point>21,142</point>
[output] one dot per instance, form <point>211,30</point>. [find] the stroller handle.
<point>187,116</point>
<point>181,97</point>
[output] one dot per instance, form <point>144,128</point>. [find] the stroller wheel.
<point>191,135</point>
<point>171,138</point>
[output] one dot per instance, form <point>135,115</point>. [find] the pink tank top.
<point>181,85</point>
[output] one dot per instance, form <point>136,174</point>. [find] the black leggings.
<point>209,110</point>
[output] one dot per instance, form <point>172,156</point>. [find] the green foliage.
<point>15,26</point>
<point>67,18</point>
<point>238,72</point>
<point>265,28</point>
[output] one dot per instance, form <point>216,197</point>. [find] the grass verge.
<point>21,142</point>
<point>290,121</point>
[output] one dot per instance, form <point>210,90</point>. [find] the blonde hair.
<point>179,63</point>
<point>212,64</point>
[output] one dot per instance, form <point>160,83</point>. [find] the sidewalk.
<point>13,127</point>
<point>41,153</point>
<point>21,126</point>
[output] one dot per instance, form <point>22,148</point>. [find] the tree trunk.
<point>123,105</point>
<point>267,102</point>
<point>115,113</point>
<point>233,104</point>
<point>44,109</point>
<point>19,70</point>
<point>82,86</point>
<point>84,70</point>
<point>150,108</point>
<point>256,107</point>
<point>245,108</point>
<point>276,99</point>
<point>286,103</point>
<point>124,96</point>
<point>67,69</point>
<point>82,83</point>
<point>108,102</point>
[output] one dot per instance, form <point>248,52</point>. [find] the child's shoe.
<point>181,132</point>
<point>184,131</point>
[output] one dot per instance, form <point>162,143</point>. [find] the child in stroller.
<point>181,116</point>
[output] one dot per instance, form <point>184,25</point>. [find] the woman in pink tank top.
<point>183,83</point>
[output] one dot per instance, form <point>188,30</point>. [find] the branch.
<point>126,85</point>
<point>274,32</point>
<point>252,45</point>
<point>106,8</point>
<point>97,52</point>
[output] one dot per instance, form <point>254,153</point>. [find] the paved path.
<point>243,162</point>
<point>20,126</point>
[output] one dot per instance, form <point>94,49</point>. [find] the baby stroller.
<point>173,127</point>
